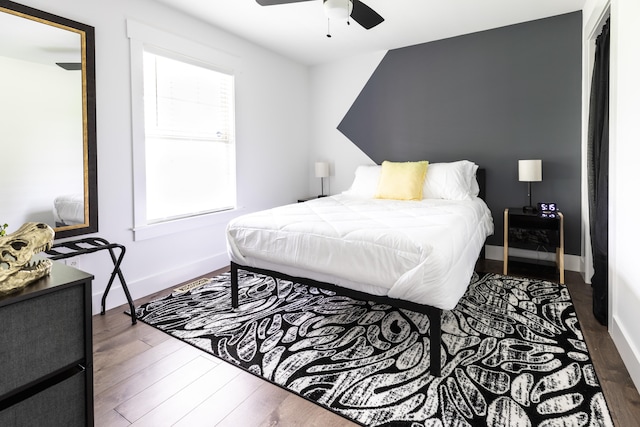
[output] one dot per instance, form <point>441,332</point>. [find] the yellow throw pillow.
<point>401,180</point>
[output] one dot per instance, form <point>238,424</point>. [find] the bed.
<point>68,209</point>
<point>416,250</point>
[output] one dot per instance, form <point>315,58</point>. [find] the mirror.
<point>47,121</point>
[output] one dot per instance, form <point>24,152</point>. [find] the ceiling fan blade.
<point>364,15</point>
<point>275,2</point>
<point>70,66</point>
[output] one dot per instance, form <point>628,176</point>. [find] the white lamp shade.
<point>338,9</point>
<point>530,170</point>
<point>322,169</point>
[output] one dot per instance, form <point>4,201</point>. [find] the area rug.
<point>513,352</point>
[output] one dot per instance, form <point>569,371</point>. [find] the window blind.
<point>185,101</point>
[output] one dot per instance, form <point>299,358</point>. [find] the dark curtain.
<point>598,174</point>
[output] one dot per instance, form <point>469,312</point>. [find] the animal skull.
<point>16,250</point>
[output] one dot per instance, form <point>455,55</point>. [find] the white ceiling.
<point>298,30</point>
<point>34,41</point>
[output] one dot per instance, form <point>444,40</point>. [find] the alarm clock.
<point>547,207</point>
<point>547,210</point>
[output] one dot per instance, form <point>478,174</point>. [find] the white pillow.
<point>451,181</point>
<point>474,188</point>
<point>365,182</point>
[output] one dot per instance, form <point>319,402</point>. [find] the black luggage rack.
<point>90,245</point>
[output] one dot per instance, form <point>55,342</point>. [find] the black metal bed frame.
<point>434,314</point>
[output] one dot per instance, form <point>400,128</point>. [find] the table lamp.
<point>529,171</point>
<point>322,171</point>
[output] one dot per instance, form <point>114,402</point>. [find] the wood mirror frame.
<point>87,68</point>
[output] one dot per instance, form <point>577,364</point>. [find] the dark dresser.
<point>46,361</point>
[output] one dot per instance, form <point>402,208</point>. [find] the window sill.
<point>161,229</point>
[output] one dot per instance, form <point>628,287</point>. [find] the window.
<point>189,143</point>
<point>183,124</point>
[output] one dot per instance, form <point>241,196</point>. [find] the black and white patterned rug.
<point>515,355</point>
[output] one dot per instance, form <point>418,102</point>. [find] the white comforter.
<point>421,251</point>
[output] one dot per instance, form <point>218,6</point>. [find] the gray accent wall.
<point>492,97</point>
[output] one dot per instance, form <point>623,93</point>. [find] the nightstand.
<point>530,230</point>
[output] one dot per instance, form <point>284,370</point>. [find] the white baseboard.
<point>629,354</point>
<point>571,262</point>
<point>159,281</point>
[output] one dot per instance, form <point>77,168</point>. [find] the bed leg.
<point>435,329</point>
<point>234,285</point>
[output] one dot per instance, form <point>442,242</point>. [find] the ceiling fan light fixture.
<point>338,9</point>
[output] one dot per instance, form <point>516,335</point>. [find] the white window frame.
<point>143,37</point>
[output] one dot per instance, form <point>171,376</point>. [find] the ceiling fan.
<point>358,11</point>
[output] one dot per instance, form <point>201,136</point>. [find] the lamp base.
<point>529,209</point>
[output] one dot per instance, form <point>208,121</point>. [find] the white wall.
<point>334,88</point>
<point>54,95</point>
<point>272,142</point>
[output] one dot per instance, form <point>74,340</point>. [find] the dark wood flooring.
<point>144,377</point>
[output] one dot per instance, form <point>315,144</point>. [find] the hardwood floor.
<point>144,377</point>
